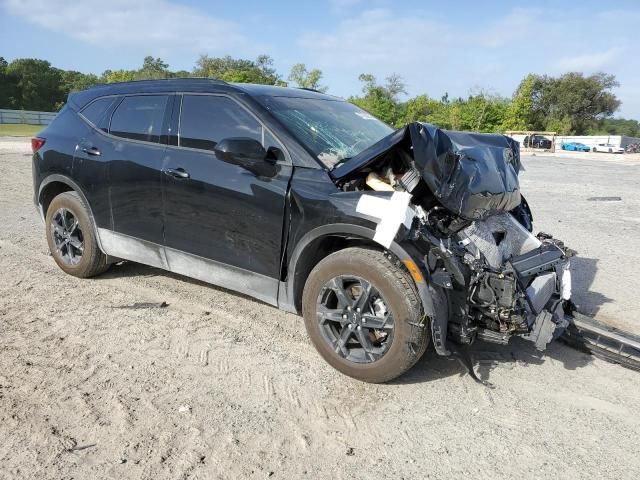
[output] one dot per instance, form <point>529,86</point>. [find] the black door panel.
<point>228,213</point>
<point>135,167</point>
<point>135,190</point>
<point>224,212</point>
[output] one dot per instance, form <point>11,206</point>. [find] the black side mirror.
<point>240,150</point>
<point>250,155</point>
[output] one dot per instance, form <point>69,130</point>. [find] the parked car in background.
<point>537,141</point>
<point>608,148</point>
<point>576,147</point>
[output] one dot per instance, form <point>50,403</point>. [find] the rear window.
<point>96,110</point>
<point>139,118</point>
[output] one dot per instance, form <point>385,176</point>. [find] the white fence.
<point>26,116</point>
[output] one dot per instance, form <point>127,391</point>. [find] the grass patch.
<point>19,129</point>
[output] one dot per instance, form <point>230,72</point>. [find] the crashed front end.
<point>501,280</point>
<point>456,197</point>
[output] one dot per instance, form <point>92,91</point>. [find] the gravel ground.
<point>100,379</point>
<point>592,202</point>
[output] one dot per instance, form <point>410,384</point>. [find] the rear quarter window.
<point>139,117</point>
<point>96,111</point>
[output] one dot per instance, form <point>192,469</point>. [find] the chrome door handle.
<point>176,173</point>
<point>90,150</point>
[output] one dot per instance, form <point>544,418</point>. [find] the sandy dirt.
<point>100,379</point>
<point>592,202</point>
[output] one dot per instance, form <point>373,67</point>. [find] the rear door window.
<point>207,119</point>
<point>139,117</point>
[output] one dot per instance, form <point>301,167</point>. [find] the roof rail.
<point>212,80</point>
<point>309,89</point>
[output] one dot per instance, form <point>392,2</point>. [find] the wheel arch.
<point>55,184</point>
<point>322,241</point>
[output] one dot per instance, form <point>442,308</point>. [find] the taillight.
<point>37,143</point>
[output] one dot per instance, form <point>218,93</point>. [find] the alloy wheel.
<point>67,236</point>
<point>354,319</point>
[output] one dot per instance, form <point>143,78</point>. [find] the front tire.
<point>364,316</point>
<point>71,237</point>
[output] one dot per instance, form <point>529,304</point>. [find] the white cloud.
<point>437,54</point>
<point>150,25</point>
<point>589,62</point>
<point>378,36</point>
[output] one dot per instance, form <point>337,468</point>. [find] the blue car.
<point>576,147</point>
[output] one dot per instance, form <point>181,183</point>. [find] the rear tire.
<point>71,237</point>
<point>367,354</point>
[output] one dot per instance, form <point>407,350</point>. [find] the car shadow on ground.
<point>487,358</point>
<point>583,272</point>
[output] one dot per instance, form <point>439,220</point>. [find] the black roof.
<point>191,84</point>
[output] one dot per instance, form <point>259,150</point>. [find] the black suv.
<point>537,141</point>
<point>382,239</point>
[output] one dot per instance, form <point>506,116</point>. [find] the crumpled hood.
<point>473,175</point>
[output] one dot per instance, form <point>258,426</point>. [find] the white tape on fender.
<point>391,213</point>
<point>566,281</point>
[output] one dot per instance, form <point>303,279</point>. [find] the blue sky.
<point>437,47</point>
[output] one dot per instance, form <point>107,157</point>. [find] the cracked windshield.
<point>333,130</point>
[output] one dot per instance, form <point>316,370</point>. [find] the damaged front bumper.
<point>502,281</point>
<point>456,196</point>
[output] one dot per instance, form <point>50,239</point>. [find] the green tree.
<point>570,104</point>
<point>382,100</point>
<point>73,81</point>
<point>152,69</point>
<point>519,114</point>
<point>481,111</point>
<point>180,74</point>
<point>113,76</point>
<point>39,85</point>
<point>8,86</point>
<point>616,126</point>
<point>306,79</point>
<point>580,101</point>
<point>420,108</point>
<point>424,109</point>
<point>238,70</point>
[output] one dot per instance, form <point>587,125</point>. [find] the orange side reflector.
<point>414,270</point>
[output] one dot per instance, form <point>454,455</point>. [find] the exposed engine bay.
<point>465,213</point>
